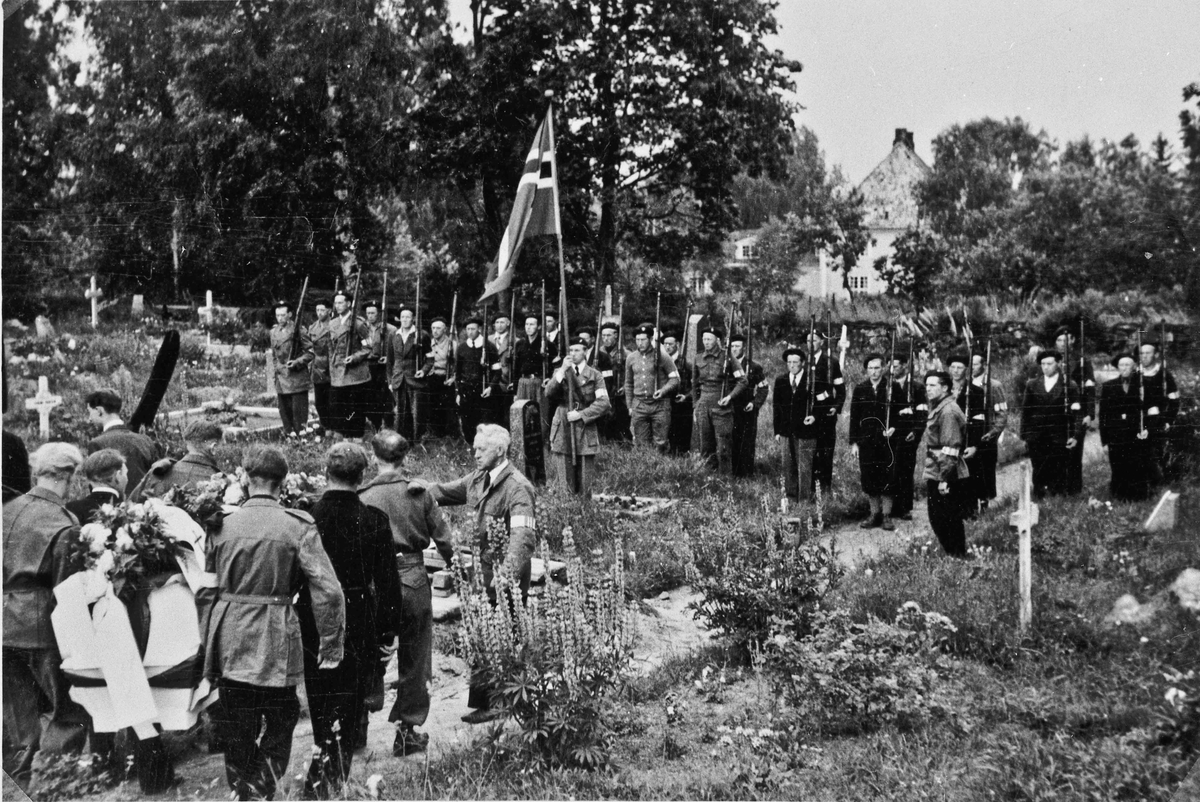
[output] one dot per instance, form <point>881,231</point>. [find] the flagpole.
<point>564,323</point>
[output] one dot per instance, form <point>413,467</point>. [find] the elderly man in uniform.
<point>1079,369</point>
<point>498,493</point>
<point>437,373</point>
<point>795,410</point>
<point>828,370</point>
<point>476,378</point>
<point>39,535</point>
<point>502,397</point>
<point>1050,422</point>
<point>995,408</point>
<point>746,407</point>
<point>349,371</point>
<point>358,540</point>
<point>874,414</point>
<point>318,335</point>
<point>139,451</point>
<point>944,440</point>
<point>578,395</point>
<point>1123,432</point>
<point>680,437</point>
<point>262,556</point>
<point>716,380</point>
<point>201,437</point>
<point>292,377</point>
<point>650,382</point>
<point>415,522</point>
<point>405,354</point>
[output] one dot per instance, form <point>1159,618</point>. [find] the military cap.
<point>608,324</point>
<point>1047,353</point>
<point>478,321</point>
<point>793,350</point>
<point>504,315</point>
<point>645,328</point>
<point>671,333</point>
<point>737,337</point>
<point>282,304</point>
<point>871,357</point>
<point>1116,360</point>
<point>369,304</point>
<point>552,313</point>
<point>713,330</point>
<point>958,356</point>
<point>533,315</point>
<point>438,319</point>
<point>586,330</point>
<point>577,340</point>
<point>1061,330</point>
<point>341,293</point>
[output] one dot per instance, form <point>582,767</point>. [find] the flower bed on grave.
<point>633,506</point>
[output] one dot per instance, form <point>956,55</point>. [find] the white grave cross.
<point>206,311</point>
<point>1024,519</point>
<point>43,402</point>
<point>94,293</point>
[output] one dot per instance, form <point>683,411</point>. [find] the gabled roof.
<point>890,190</point>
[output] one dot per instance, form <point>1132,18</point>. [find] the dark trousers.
<point>945,517</point>
<point>1075,465</point>
<point>969,498</point>
<point>34,685</point>
<point>414,658</point>
<point>680,437</point>
<point>434,407</point>
<point>293,411</point>
<point>472,411</point>
<point>745,442</point>
<point>1130,470</point>
<point>321,393</point>
<point>651,422</point>
<point>336,704</point>
<point>712,434</point>
<point>823,459</point>
<point>349,409</point>
<point>498,409</point>
<point>1159,454</point>
<point>798,468</point>
<point>903,485</point>
<point>379,408</point>
<point>406,411</point>
<point>986,460</point>
<point>1050,465</point>
<point>257,723</point>
<point>578,472</point>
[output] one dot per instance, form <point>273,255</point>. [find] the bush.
<point>553,662</point>
<point>755,577</point>
<point>851,676</point>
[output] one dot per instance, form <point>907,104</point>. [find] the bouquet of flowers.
<point>127,543</point>
<point>207,500</point>
<point>301,490</point>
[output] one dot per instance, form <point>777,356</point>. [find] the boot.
<point>876,514</point>
<point>888,526</point>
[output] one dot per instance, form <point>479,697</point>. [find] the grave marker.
<point>138,308</point>
<point>1163,517</point>
<point>1025,518</point>
<point>43,402</point>
<point>94,293</point>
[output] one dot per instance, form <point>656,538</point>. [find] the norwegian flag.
<point>535,210</point>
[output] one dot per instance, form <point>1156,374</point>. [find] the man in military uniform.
<point>476,378</point>
<point>416,521</point>
<point>1123,432</point>
<point>201,437</point>
<point>262,556</point>
<point>380,412</point>
<point>795,411</point>
<point>1051,413</point>
<point>874,410</point>
<point>349,369</point>
<point>616,425</point>
<point>716,380</point>
<point>822,363</point>
<point>746,407</point>
<point>438,387</point>
<point>578,395</point>
<point>650,383</point>
<point>39,535</point>
<point>406,347</point>
<point>292,378</point>
<point>1079,369</point>
<point>1162,407</point>
<point>318,335</point>
<point>970,398</point>
<point>496,491</point>
<point>944,439</point>
<point>502,396</point>
<point>910,428</point>
<point>995,408</point>
<point>680,437</point>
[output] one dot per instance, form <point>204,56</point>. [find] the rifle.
<point>383,324</point>
<point>296,339</point>
<point>512,340</point>
<point>417,314</point>
<point>483,363</point>
<point>542,322</point>
<point>728,354</point>
<point>1141,387</point>
<point>452,357</point>
<point>829,346</point>
<point>987,389</point>
<point>887,410</point>
<point>596,342</point>
<point>1067,384</point>
<point>621,337</point>
<point>687,319</point>
<point>810,374</point>
<point>654,339</point>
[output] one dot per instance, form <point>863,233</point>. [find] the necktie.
<point>487,482</point>
<point>795,380</point>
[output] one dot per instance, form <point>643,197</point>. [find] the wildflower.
<point>124,542</point>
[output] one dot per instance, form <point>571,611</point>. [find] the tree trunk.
<point>610,153</point>
<point>176,256</point>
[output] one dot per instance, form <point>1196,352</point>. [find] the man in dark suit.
<point>139,451</point>
<point>476,378</point>
<point>104,472</point>
<point>406,347</point>
<point>1123,431</point>
<point>795,417</point>
<point>1051,413</point>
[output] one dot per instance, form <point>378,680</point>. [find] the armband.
<point>521,522</point>
<point>950,451</point>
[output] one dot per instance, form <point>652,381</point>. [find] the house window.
<point>858,282</point>
<point>749,252</point>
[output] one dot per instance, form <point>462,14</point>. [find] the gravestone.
<point>43,329</point>
<point>525,426</point>
<point>1024,519</point>
<point>1163,517</point>
<point>93,293</point>
<point>137,309</point>
<point>43,402</point>
<point>270,388</point>
<point>695,324</point>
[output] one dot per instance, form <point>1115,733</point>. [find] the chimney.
<point>904,137</point>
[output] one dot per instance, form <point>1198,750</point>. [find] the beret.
<point>793,351</point>
<point>1116,360</point>
<point>608,324</point>
<point>958,356</point>
<point>869,358</point>
<point>737,338</point>
<point>577,340</point>
<point>438,319</point>
<point>1047,353</point>
<point>478,321</point>
<point>646,329</point>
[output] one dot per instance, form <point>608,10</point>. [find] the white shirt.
<point>494,473</point>
<point>112,423</point>
<point>1050,381</point>
<point>476,343</point>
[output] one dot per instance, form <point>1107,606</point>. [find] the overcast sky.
<point>1101,67</point>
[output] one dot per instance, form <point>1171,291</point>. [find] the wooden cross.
<point>94,293</point>
<point>43,402</point>
<point>206,311</point>
<point>1024,519</point>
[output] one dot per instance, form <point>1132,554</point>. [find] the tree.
<point>804,191</point>
<point>921,260</point>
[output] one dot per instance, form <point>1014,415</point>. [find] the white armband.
<point>496,366</point>
<point>522,522</point>
<point>1075,407</point>
<point>922,407</point>
<point>737,374</point>
<point>839,380</point>
<point>949,451</point>
<point>606,374</point>
<point>1152,411</point>
<point>822,396</point>
<point>673,374</point>
<point>980,416</point>
<point>1173,396</point>
<point>1001,407</point>
<point>1089,383</point>
<point>601,392</point>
